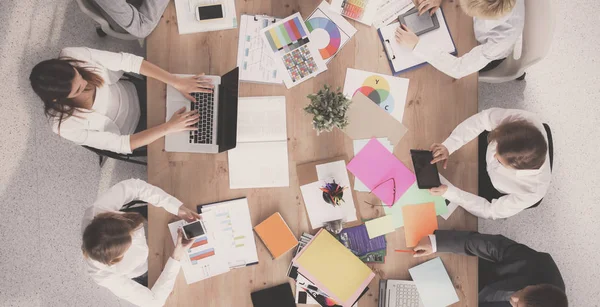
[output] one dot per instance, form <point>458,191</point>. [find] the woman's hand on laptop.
<point>424,248</point>
<point>194,84</point>
<point>182,121</point>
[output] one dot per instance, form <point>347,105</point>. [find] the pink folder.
<point>374,164</point>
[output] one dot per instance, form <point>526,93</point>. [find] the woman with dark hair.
<point>114,243</point>
<point>89,104</point>
<point>517,162</point>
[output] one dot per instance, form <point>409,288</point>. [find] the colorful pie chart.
<point>326,36</point>
<point>378,90</point>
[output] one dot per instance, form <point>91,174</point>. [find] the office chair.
<point>537,37</point>
<point>103,155</point>
<point>104,26</point>
<point>486,188</point>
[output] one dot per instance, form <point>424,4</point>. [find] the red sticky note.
<point>419,221</point>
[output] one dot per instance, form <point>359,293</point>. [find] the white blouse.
<point>496,38</point>
<point>118,277</point>
<point>523,187</point>
<point>116,110</point>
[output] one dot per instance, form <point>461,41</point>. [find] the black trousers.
<point>491,65</point>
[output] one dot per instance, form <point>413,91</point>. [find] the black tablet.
<point>427,173</point>
<point>419,24</point>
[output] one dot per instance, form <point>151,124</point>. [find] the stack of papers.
<point>206,258</point>
<point>320,211</point>
<point>260,158</point>
<point>232,227</point>
<point>324,260</point>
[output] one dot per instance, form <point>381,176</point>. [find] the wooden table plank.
<point>436,103</point>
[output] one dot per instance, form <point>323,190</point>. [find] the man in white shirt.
<point>498,25</point>
<point>517,162</point>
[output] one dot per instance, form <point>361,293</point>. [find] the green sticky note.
<point>414,196</point>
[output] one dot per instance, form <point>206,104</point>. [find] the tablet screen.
<point>418,23</point>
<point>426,173</point>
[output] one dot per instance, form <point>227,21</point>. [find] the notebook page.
<point>261,119</point>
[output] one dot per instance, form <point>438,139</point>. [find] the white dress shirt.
<point>117,277</point>
<point>496,38</point>
<point>116,110</point>
<point>523,187</point>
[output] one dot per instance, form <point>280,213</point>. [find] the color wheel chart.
<point>378,90</point>
<point>328,31</point>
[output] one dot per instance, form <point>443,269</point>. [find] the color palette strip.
<point>285,34</point>
<point>199,243</point>
<point>203,254</point>
<point>354,8</point>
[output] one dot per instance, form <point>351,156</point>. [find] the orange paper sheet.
<point>419,221</point>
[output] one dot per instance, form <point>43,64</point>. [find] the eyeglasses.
<point>393,191</point>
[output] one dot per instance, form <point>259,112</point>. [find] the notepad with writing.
<point>276,235</point>
<point>333,268</point>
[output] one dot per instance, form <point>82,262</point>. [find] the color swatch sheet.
<point>419,221</point>
<point>329,31</point>
<point>233,228</point>
<point>433,283</point>
<point>388,92</point>
<point>333,269</point>
<point>358,146</point>
<point>363,11</point>
<point>205,258</point>
<point>187,22</point>
<point>375,166</point>
<point>297,57</point>
<point>415,196</point>
<point>255,59</point>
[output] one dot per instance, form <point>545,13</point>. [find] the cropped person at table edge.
<point>498,24</point>
<point>114,243</point>
<point>136,17</point>
<point>88,102</point>
<point>510,274</point>
<point>517,162</point>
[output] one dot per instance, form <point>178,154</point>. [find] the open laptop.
<point>398,293</point>
<point>217,128</point>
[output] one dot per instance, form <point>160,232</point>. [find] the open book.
<point>260,158</point>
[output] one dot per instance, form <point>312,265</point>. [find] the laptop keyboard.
<point>406,296</point>
<point>204,104</point>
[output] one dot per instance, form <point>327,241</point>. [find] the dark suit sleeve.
<point>494,248</point>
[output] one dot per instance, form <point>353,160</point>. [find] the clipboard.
<point>402,60</point>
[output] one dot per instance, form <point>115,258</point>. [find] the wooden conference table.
<point>436,103</point>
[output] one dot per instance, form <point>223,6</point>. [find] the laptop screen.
<point>228,110</point>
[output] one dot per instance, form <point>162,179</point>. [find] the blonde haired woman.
<point>114,243</point>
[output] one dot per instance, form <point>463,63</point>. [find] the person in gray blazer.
<point>510,274</point>
<point>136,17</point>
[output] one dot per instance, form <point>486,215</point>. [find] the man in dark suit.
<point>510,274</point>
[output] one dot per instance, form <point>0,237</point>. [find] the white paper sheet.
<point>358,146</point>
<point>404,58</point>
<point>204,268</point>
<point>388,92</point>
<point>261,119</point>
<point>255,60</point>
<point>329,31</point>
<point>233,230</point>
<point>187,22</point>
<point>389,10</point>
<point>433,283</point>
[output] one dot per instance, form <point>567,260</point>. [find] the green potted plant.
<point>328,109</point>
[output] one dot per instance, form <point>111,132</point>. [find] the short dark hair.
<point>521,143</point>
<point>545,295</point>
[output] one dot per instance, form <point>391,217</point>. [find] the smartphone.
<point>427,173</point>
<point>419,24</point>
<point>193,229</point>
<point>208,12</point>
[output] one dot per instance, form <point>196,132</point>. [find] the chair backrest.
<point>93,12</point>
<point>537,38</point>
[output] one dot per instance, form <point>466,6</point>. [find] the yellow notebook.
<point>276,235</point>
<point>334,269</point>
